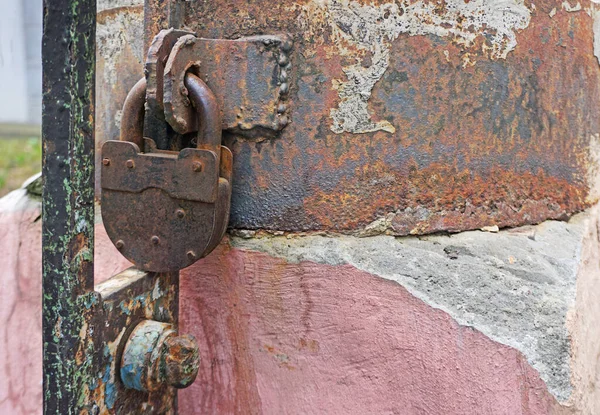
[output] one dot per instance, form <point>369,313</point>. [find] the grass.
<point>20,155</point>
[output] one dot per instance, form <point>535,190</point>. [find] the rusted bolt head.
<point>287,45</point>
<point>181,360</point>
<point>154,356</point>
<point>106,162</point>
<point>155,240</point>
<point>180,213</point>
<point>197,166</point>
<point>130,164</point>
<point>191,255</point>
<point>281,108</point>
<point>283,121</point>
<point>283,59</point>
<point>120,244</point>
<point>284,88</point>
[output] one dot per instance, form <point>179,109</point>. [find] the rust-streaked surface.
<point>249,76</point>
<point>164,210</point>
<point>457,131</point>
<point>120,64</point>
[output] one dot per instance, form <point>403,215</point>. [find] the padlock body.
<point>160,209</point>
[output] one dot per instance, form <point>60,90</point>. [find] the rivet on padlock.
<point>141,190</point>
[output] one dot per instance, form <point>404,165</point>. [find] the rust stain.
<point>281,358</point>
<point>480,139</point>
<point>104,15</point>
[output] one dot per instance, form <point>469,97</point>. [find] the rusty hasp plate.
<point>250,77</point>
<point>158,53</point>
<point>413,117</point>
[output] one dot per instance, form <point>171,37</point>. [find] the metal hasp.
<point>86,327</point>
<point>191,84</point>
<point>412,117</point>
<point>164,210</point>
<point>249,76</point>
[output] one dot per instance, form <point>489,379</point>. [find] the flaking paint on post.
<point>366,29</point>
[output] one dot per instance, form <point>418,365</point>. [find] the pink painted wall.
<point>21,302</point>
<point>279,338</point>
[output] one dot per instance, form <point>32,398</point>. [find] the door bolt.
<point>155,356</point>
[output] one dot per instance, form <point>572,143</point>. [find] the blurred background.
<point>20,91</point>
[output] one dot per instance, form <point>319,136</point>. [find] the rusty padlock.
<point>164,210</point>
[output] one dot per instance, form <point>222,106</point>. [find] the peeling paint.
<point>595,13</point>
<point>112,4</point>
<point>567,7</point>
<point>371,29</point>
<point>115,33</point>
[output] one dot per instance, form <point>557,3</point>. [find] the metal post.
<point>68,54</point>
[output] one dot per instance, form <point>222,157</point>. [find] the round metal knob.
<point>155,356</point>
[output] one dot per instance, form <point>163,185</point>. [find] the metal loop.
<point>209,114</point>
<point>132,120</point>
<point>203,100</point>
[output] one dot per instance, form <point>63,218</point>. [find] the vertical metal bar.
<point>68,54</point>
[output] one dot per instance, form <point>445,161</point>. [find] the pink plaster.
<point>20,312</point>
<point>21,304</point>
<point>280,338</point>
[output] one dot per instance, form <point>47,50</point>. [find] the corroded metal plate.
<point>414,117</point>
<point>253,104</point>
<point>160,209</point>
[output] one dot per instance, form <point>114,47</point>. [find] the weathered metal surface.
<point>155,125</point>
<point>161,14</point>
<point>180,360</point>
<point>413,117</point>
<point>83,329</point>
<point>155,356</point>
<point>127,299</point>
<point>132,119</point>
<point>249,76</point>
<point>68,55</point>
<point>120,64</point>
<point>164,210</point>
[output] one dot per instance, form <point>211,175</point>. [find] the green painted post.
<point>68,54</point>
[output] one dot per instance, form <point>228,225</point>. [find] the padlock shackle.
<point>132,120</point>
<point>209,113</point>
<point>203,100</point>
